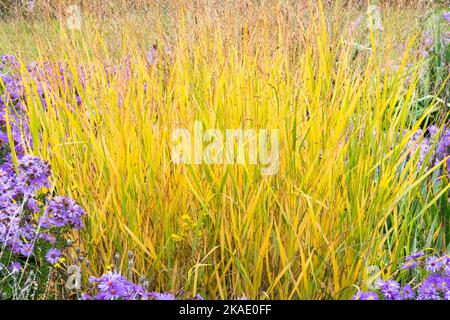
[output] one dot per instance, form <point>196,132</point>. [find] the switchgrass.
<point>349,192</point>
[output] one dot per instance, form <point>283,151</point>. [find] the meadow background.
<point>346,91</point>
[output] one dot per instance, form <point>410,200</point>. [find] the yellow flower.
<point>176,237</point>
<point>58,265</point>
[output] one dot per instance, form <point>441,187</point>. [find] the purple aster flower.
<point>15,267</point>
<point>446,38</point>
<point>33,205</point>
<point>28,232</point>
<point>371,296</point>
<point>86,296</point>
<point>47,237</point>
<point>446,16</point>
<point>31,4</point>
<point>53,256</point>
<point>424,150</point>
<point>59,221</point>
<point>433,130</point>
<point>434,264</point>
<point>112,286</point>
<point>442,283</point>
<point>428,39</point>
<point>162,296</point>
<point>390,289</point>
<point>408,292</point>
<point>63,211</point>
<point>427,291</point>
<point>35,171</point>
<point>26,249</point>
<point>198,297</point>
<point>447,295</point>
<point>360,295</point>
<point>44,222</point>
<point>446,261</point>
<point>411,264</point>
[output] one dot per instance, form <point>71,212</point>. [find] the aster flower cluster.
<point>114,286</point>
<point>32,225</point>
<point>42,76</point>
<point>433,41</point>
<point>441,149</point>
<point>435,284</point>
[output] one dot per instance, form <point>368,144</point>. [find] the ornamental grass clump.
<point>349,192</point>
<point>361,179</point>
